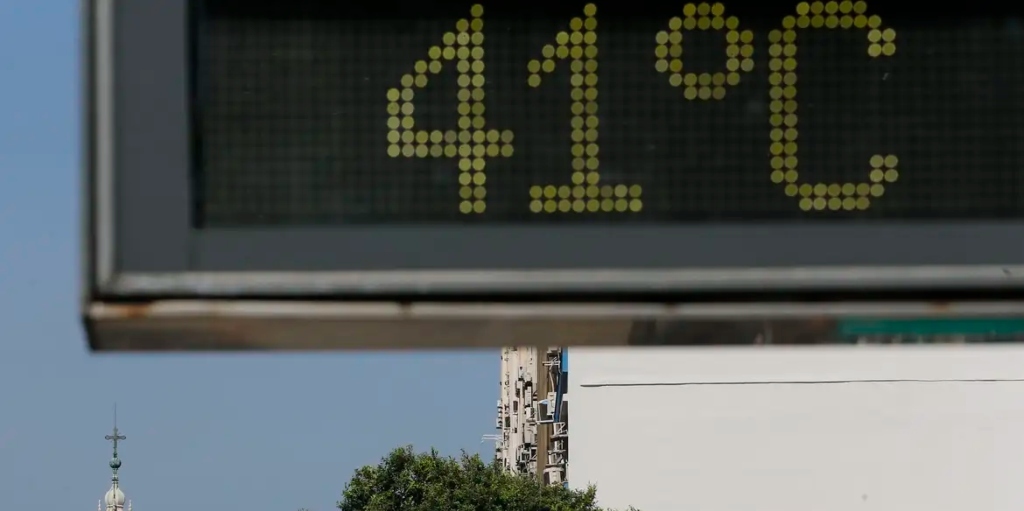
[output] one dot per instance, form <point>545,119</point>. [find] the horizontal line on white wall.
<point>800,382</point>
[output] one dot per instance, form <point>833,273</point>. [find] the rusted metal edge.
<point>200,325</point>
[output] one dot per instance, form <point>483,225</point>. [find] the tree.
<point>407,481</point>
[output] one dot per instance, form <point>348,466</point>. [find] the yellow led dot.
<point>806,204</point>
<point>863,189</point>
<point>690,93</point>
<point>891,161</point>
<point>820,189</point>
<point>564,205</point>
<point>536,206</point>
<point>845,6</point>
<point>590,10</point>
<point>778,176</point>
<point>874,21</point>
<point>863,203</point>
<point>792,175</point>
<point>888,35</point>
<point>791,189</point>
<point>806,190</point>
<point>593,205</point>
<point>465,207</point>
<point>550,206</point>
<point>548,66</point>
<point>820,203</point>
<point>835,203</point>
<point>874,35</point>
<point>834,189</point>
<point>888,49</point>
<point>479,206</point>
<point>877,161</point>
<point>394,150</point>
<point>802,8</point>
<point>579,205</point>
<point>846,21</point>
<point>849,188</point>
<point>849,204</point>
<point>892,175</point>
<point>876,175</point>
<point>533,81</point>
<point>877,190</point>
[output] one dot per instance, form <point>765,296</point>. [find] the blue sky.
<point>248,432</point>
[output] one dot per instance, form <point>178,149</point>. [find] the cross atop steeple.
<point>114,438</point>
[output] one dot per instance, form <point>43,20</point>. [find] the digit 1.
<point>783,63</point>
<point>739,51</point>
<point>471,143</point>
<point>586,194</point>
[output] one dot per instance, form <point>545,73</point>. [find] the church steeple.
<point>114,499</point>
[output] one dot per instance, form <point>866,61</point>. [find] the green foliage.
<point>407,481</point>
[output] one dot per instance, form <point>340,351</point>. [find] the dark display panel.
<point>316,112</point>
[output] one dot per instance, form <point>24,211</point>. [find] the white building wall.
<point>887,428</point>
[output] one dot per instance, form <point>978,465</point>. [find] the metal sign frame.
<point>151,281</point>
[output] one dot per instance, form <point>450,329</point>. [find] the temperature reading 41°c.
<point>609,112</point>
